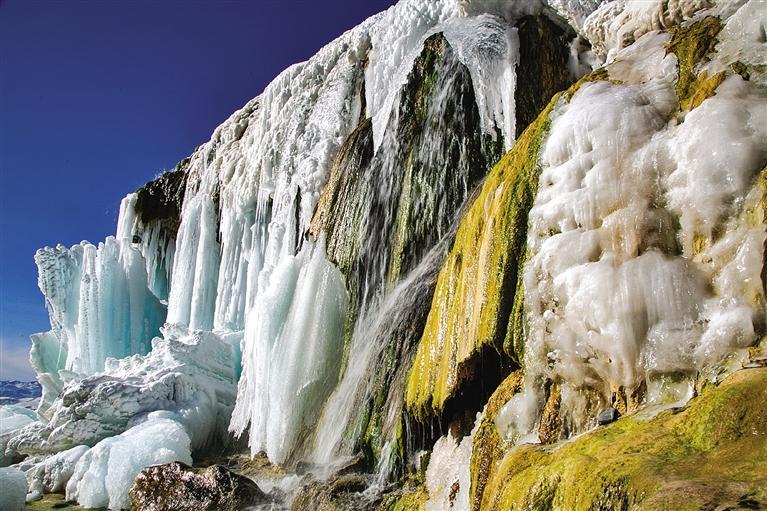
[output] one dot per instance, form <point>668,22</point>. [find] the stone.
<point>178,487</point>
<point>607,416</point>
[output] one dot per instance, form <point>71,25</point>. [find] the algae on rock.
<point>711,452</point>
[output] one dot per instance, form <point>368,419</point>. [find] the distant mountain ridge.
<point>12,391</point>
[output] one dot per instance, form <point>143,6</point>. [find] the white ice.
<point>14,489</point>
<point>105,473</point>
<point>645,266</point>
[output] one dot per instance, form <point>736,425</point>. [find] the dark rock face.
<point>543,55</point>
<point>177,487</point>
<point>343,493</point>
<point>162,198</point>
<point>607,416</point>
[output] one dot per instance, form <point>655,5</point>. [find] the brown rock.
<point>178,487</point>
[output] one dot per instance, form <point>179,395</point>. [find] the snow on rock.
<point>616,25</point>
<point>105,473</point>
<point>14,489</point>
<point>52,474</point>
<point>191,374</point>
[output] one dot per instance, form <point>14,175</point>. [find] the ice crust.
<point>644,267</point>
<point>52,474</point>
<point>12,419</point>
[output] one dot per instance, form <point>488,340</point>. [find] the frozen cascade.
<point>98,301</point>
<point>661,275</point>
<point>293,342</point>
<point>385,214</point>
<point>392,325</point>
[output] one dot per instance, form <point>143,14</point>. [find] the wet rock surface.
<point>178,487</point>
<point>607,416</point>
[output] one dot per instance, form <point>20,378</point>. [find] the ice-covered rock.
<point>645,262</point>
<point>12,419</point>
<point>52,474</point>
<point>13,489</point>
<point>103,475</point>
<point>190,374</point>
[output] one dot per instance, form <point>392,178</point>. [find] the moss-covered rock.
<point>711,453</point>
<point>488,446</point>
<point>411,497</point>
<point>544,51</point>
<point>691,43</point>
<point>476,287</point>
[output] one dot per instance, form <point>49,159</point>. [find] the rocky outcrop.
<point>177,487</point>
<point>712,452</point>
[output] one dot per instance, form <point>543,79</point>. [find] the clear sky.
<point>99,96</point>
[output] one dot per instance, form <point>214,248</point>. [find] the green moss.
<point>714,452</point>
<point>691,44</point>
<point>409,499</point>
<point>488,446</point>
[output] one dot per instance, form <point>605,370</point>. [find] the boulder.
<point>607,416</point>
<point>178,487</point>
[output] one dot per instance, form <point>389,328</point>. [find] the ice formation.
<point>52,474</point>
<point>14,486</point>
<point>294,339</point>
<point>192,375</point>
<point>643,270</point>
<point>448,478</point>
<point>232,290</point>
<point>105,473</point>
<point>99,303</point>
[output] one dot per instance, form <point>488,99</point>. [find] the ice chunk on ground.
<point>13,489</point>
<point>52,474</point>
<point>191,374</point>
<point>104,474</point>
<point>12,419</point>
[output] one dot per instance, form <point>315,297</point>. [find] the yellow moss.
<point>411,499</point>
<point>488,446</point>
<point>475,288</point>
<point>714,452</point>
<point>701,89</point>
<point>478,300</point>
<point>691,44</point>
<point>52,501</point>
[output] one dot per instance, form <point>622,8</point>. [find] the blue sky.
<point>99,96</point>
